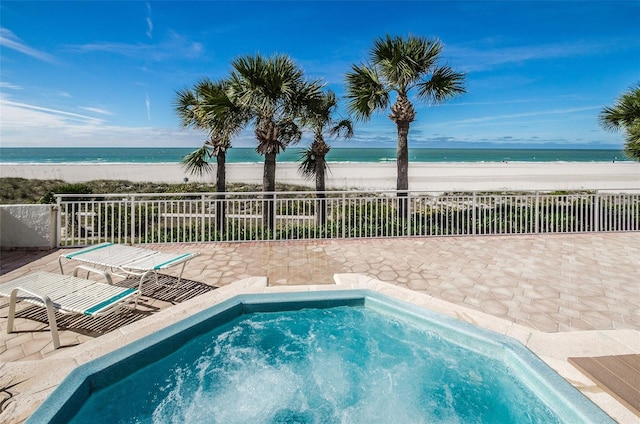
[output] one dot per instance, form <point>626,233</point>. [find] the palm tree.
<point>319,118</point>
<point>209,107</point>
<point>273,91</point>
<point>625,114</point>
<point>398,65</point>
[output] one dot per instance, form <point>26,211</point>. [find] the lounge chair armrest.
<point>89,269</point>
<point>46,300</point>
<point>48,304</point>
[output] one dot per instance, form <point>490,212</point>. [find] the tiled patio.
<point>549,283</point>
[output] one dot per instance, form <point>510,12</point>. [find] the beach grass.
<point>28,191</point>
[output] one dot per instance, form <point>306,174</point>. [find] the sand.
<point>620,176</point>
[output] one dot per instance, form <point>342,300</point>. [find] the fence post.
<point>59,220</point>
<point>132,224</point>
<point>274,212</point>
<point>202,218</point>
<point>474,218</point>
<point>536,214</point>
<point>596,211</point>
<point>344,222</point>
<point>409,218</point>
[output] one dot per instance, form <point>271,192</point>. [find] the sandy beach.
<point>439,176</point>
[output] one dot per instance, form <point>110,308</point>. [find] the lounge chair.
<point>67,294</point>
<point>129,260</point>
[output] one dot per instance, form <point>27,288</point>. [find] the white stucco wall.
<point>27,226</point>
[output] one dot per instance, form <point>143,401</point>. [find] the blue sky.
<point>105,74</point>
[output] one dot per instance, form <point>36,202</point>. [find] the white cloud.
<point>19,115</point>
<point>25,125</point>
<point>9,86</point>
<point>123,49</point>
<point>175,45</point>
<point>148,104</point>
<point>149,22</point>
<point>485,55</point>
<point>96,110</point>
<point>519,115</point>
<point>9,40</point>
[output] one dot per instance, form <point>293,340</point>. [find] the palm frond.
<point>196,162</point>
<point>403,62</point>
<point>443,85</point>
<point>185,105</point>
<point>289,132</point>
<point>342,128</point>
<point>366,92</point>
<point>317,110</point>
<point>632,142</point>
<point>307,167</point>
<point>624,113</point>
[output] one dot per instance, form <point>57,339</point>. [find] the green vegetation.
<point>269,93</point>
<point>209,107</point>
<point>22,191</point>
<point>625,115</point>
<point>26,191</point>
<point>49,197</point>
<point>347,215</point>
<point>375,219</point>
<point>398,65</point>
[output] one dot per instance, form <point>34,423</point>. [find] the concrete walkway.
<point>549,283</point>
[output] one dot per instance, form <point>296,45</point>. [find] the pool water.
<point>345,364</point>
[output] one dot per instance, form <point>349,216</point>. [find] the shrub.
<point>49,197</point>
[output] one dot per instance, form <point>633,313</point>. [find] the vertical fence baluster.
<point>135,218</point>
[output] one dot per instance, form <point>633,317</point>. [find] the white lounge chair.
<point>128,259</point>
<point>67,294</point>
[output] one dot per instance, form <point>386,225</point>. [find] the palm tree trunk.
<point>269,185</point>
<point>221,172</point>
<point>402,161</point>
<point>321,206</point>
<point>221,187</point>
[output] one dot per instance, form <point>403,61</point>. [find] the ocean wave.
<point>96,156</point>
<point>86,163</point>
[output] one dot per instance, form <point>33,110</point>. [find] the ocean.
<point>9,155</point>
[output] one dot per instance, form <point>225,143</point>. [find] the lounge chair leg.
<point>51,313</point>
<point>181,271</point>
<point>12,310</point>
<point>53,324</point>
<point>143,277</point>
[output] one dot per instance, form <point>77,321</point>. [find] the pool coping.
<point>552,348</point>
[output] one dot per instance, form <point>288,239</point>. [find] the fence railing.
<point>200,217</point>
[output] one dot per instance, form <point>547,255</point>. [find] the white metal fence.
<point>196,217</point>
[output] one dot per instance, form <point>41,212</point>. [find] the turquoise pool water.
<point>350,360</point>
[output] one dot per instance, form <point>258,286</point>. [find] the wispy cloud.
<point>505,117</point>
<point>96,110</point>
<point>17,114</point>
<point>485,54</point>
<point>147,102</point>
<point>9,40</point>
<point>124,49</point>
<point>175,45</point>
<point>49,127</point>
<point>9,86</point>
<point>149,22</point>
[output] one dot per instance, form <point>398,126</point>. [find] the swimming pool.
<point>302,357</point>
